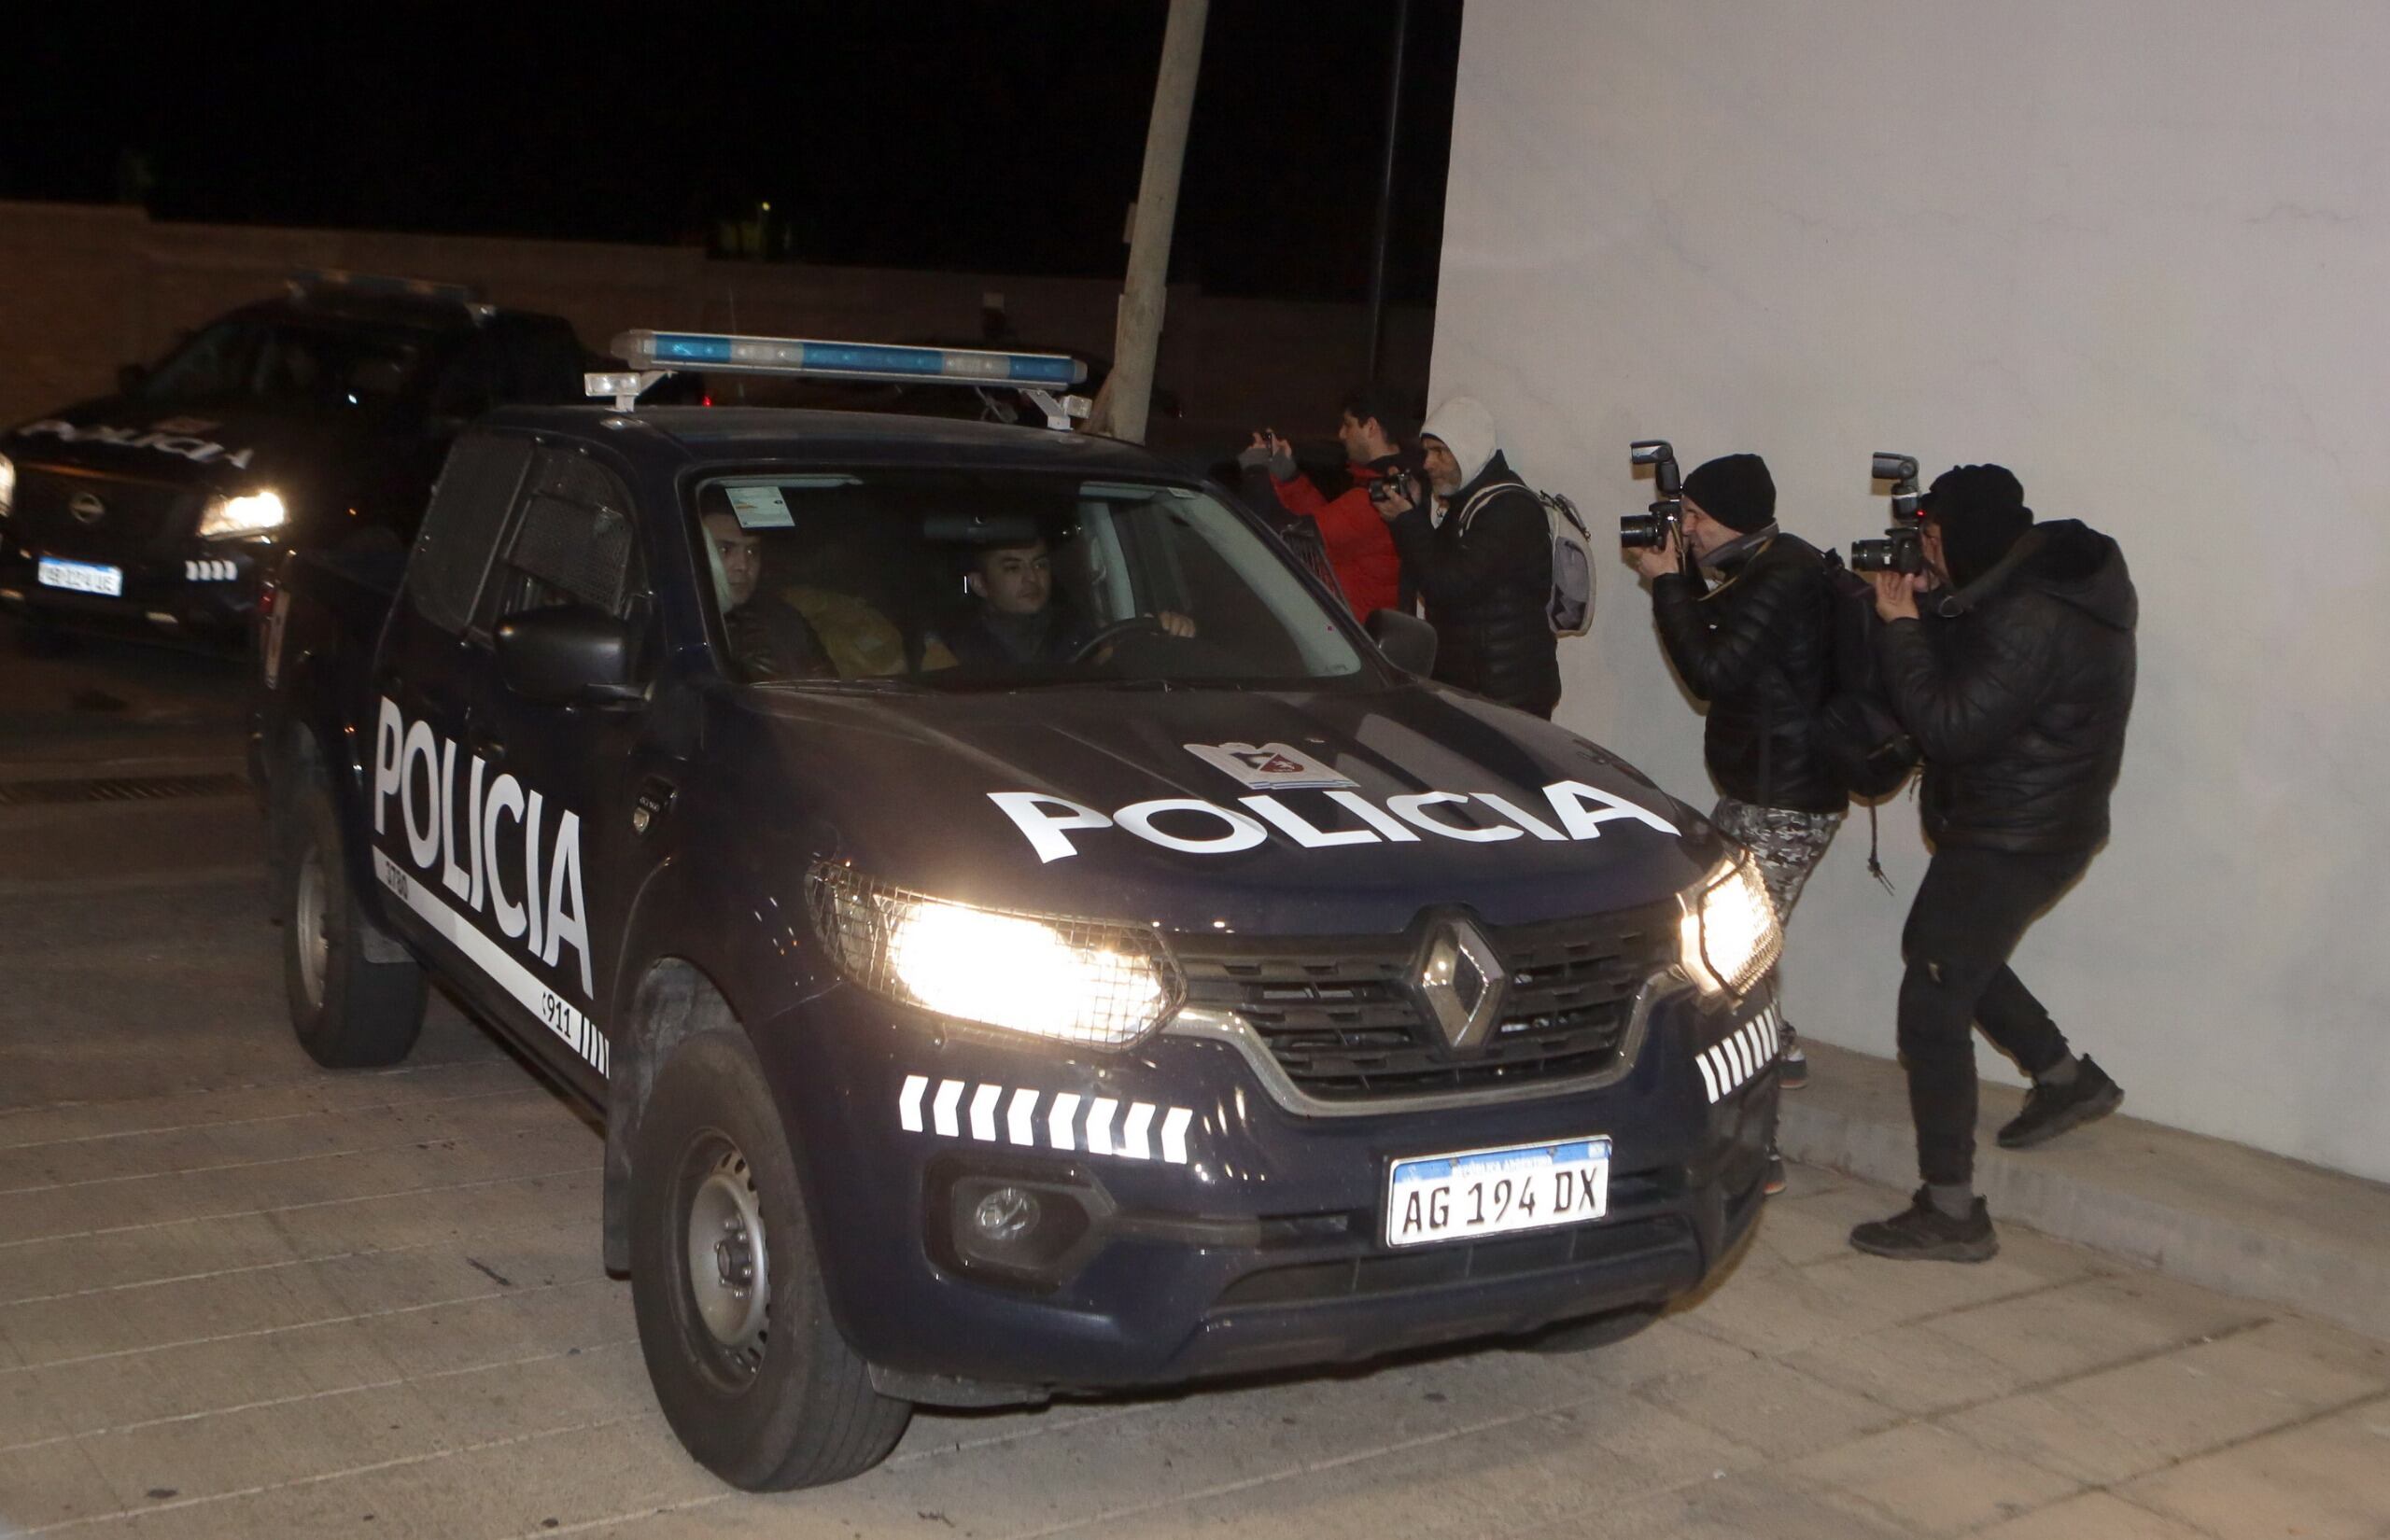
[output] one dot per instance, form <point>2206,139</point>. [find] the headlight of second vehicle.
<point>1076,981</point>
<point>8,485</point>
<point>250,513</point>
<point>1729,932</point>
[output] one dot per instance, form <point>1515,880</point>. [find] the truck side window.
<point>460,528</point>
<point>571,542</point>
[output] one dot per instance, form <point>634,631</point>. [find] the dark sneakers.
<point>2052,1110</point>
<point>1923,1233</point>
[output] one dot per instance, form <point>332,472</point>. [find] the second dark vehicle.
<point>317,420</point>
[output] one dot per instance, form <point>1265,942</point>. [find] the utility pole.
<point>1385,187</point>
<point>1122,406</point>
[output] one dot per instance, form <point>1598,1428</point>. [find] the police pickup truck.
<point>315,419</point>
<point>1021,936</point>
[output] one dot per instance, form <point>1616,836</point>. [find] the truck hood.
<point>1228,810</point>
<point>220,449</point>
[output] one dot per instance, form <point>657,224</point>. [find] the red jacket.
<point>1359,548</point>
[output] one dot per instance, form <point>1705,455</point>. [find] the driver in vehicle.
<point>1017,617</point>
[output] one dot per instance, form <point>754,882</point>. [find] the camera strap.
<point>1959,602</point>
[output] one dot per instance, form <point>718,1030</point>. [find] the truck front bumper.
<point>1194,1225</point>
<point>204,595</point>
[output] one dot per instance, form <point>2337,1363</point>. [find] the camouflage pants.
<point>1787,844</point>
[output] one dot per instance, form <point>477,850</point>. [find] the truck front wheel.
<point>748,1365</point>
<point>356,997</point>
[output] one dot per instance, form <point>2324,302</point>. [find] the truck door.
<point>426,726</point>
<point>559,818</point>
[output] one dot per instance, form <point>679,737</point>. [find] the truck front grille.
<point>1338,1016</point>
<point>1378,1272</point>
<point>134,519</point>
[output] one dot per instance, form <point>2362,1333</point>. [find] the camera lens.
<point>1898,551</point>
<point>1643,531</point>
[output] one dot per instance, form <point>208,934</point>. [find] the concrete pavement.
<point>243,1296</point>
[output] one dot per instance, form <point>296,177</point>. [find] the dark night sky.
<point>1006,137</point>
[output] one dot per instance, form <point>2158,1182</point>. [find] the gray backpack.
<point>1570,608</point>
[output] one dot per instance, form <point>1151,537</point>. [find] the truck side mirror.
<point>565,655</point>
<point>1408,643</point>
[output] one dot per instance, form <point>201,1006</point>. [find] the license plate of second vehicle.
<point>80,576</point>
<point>1475,1193</point>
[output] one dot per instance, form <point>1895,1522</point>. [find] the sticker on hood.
<point>1270,766</point>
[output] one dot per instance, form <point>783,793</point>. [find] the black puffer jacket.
<point>2017,691</point>
<point>1486,586</point>
<point>1759,648</point>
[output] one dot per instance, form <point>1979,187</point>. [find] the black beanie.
<point>1980,511</point>
<point>1736,490</point>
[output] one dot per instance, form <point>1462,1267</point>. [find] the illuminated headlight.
<point>251,513</point>
<point>1729,931</point>
<point>8,485</point>
<point>1076,981</point>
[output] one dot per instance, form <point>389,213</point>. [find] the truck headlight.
<point>250,513</point>
<point>8,485</point>
<point>1076,981</point>
<point>1729,932</point>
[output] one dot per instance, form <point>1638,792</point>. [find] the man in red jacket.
<point>1359,550</point>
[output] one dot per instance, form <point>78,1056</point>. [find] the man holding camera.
<point>1360,551</point>
<point>1477,548</point>
<point>1758,648</point>
<point>2015,684</point>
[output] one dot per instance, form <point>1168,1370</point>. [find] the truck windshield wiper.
<point>842,687</point>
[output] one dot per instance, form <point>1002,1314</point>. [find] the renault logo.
<point>86,506</point>
<point>1461,982</point>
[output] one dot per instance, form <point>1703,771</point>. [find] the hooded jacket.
<point>1487,579</point>
<point>1759,648</point>
<point>2017,690</point>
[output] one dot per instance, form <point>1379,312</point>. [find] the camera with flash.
<point>1649,531</point>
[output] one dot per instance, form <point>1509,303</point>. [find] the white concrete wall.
<point>2138,251</point>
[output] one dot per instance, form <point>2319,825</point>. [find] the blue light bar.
<point>806,358</point>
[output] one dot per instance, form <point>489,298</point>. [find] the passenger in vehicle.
<point>1017,617</point>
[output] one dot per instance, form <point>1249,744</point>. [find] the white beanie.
<point>1467,429</point>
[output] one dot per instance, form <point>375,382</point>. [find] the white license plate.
<point>80,576</point>
<point>1494,1192</point>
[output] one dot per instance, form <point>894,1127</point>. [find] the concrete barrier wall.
<point>2137,251</point>
<point>84,290</point>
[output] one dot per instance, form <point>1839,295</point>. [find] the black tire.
<point>1592,1332</point>
<point>355,996</point>
<point>756,1381</point>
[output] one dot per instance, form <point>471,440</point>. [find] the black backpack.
<point>1869,749</point>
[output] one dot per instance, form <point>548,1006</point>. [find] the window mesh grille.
<point>461,527</point>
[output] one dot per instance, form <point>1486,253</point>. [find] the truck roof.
<point>737,434</point>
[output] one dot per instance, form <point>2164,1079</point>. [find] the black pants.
<point>1970,913</point>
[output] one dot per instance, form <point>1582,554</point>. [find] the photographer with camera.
<point>1477,548</point>
<point>1370,428</point>
<point>1758,649</point>
<point>2015,681</point>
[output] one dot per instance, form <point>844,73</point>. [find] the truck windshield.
<point>286,364</point>
<point>957,580</point>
